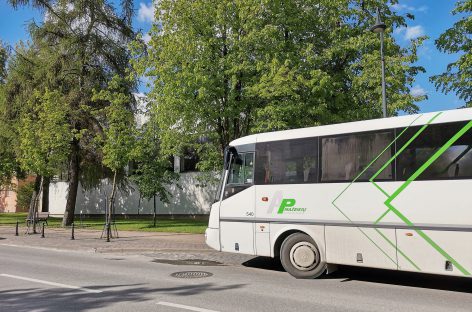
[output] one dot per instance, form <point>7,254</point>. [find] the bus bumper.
<point>212,238</point>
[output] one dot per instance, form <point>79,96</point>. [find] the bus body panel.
<point>357,246</point>
<point>237,236</point>
<point>212,238</point>
<point>214,218</point>
<point>262,241</point>
<point>455,247</point>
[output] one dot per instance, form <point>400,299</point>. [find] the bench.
<point>39,217</point>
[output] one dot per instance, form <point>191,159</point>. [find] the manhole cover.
<point>2,238</point>
<point>191,274</point>
<point>188,262</point>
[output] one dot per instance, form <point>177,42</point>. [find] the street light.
<point>379,28</point>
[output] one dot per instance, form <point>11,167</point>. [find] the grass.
<point>164,224</point>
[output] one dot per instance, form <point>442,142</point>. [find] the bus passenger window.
<point>347,157</point>
<point>454,163</point>
<point>287,162</point>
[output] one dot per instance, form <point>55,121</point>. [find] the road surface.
<point>33,279</point>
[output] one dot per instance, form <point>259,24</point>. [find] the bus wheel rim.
<point>304,256</point>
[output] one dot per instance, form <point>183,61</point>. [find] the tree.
<point>223,70</point>
<point>44,138</point>
<point>7,155</point>
<point>152,172</point>
<point>457,39</point>
<point>119,134</point>
<point>87,45</point>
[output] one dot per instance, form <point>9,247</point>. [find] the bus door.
<point>237,205</point>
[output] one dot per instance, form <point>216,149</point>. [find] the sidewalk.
<point>158,245</point>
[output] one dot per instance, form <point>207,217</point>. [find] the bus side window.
<point>249,168</point>
<point>348,157</point>
<point>241,170</point>
<point>454,163</point>
<point>287,161</point>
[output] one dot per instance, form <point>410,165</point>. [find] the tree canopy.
<point>458,39</point>
<point>222,70</point>
<point>78,48</point>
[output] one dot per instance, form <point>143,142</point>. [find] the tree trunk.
<point>73,184</point>
<point>45,195</point>
<point>111,202</point>
<point>34,202</point>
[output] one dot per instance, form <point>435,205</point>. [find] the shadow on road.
<point>265,263</point>
<point>59,299</point>
<point>349,273</point>
<point>411,279</point>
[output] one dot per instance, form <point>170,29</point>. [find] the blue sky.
<point>432,17</point>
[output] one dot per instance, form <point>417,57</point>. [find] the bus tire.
<point>301,257</point>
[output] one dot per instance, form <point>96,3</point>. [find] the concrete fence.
<point>189,199</point>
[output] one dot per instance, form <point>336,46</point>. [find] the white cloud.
<point>146,12</point>
<point>414,32</point>
<point>404,7</point>
<point>410,33</point>
<point>147,38</point>
<point>417,91</point>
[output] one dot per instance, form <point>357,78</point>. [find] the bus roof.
<point>359,126</point>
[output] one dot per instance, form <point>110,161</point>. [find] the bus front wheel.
<point>301,257</point>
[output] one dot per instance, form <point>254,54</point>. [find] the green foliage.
<point>77,48</point>
<point>458,39</point>
<point>152,172</point>
<point>119,134</point>
<point>222,70</point>
<point>24,195</point>
<point>44,133</point>
<point>8,163</point>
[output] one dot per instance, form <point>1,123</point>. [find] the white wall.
<point>189,199</point>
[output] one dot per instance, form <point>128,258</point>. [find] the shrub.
<point>24,195</point>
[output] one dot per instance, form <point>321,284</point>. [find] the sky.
<point>432,17</point>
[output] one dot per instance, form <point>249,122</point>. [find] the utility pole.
<point>379,28</point>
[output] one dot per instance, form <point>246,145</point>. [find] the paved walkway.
<point>168,246</point>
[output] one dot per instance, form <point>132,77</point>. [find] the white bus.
<point>392,193</point>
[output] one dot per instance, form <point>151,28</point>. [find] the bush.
<point>24,195</point>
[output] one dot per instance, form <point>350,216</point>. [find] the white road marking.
<point>94,291</point>
<point>186,307</point>
<point>90,250</point>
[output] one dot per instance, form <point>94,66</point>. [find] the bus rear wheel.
<point>301,257</point>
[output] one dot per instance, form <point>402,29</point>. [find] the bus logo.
<point>283,205</point>
<point>288,205</point>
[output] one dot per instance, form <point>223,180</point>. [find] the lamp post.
<point>379,28</point>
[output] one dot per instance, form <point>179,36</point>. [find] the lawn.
<point>164,224</point>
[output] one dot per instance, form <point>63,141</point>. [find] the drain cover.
<point>189,262</point>
<point>191,274</point>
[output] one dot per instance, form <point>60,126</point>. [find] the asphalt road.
<point>50,280</point>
